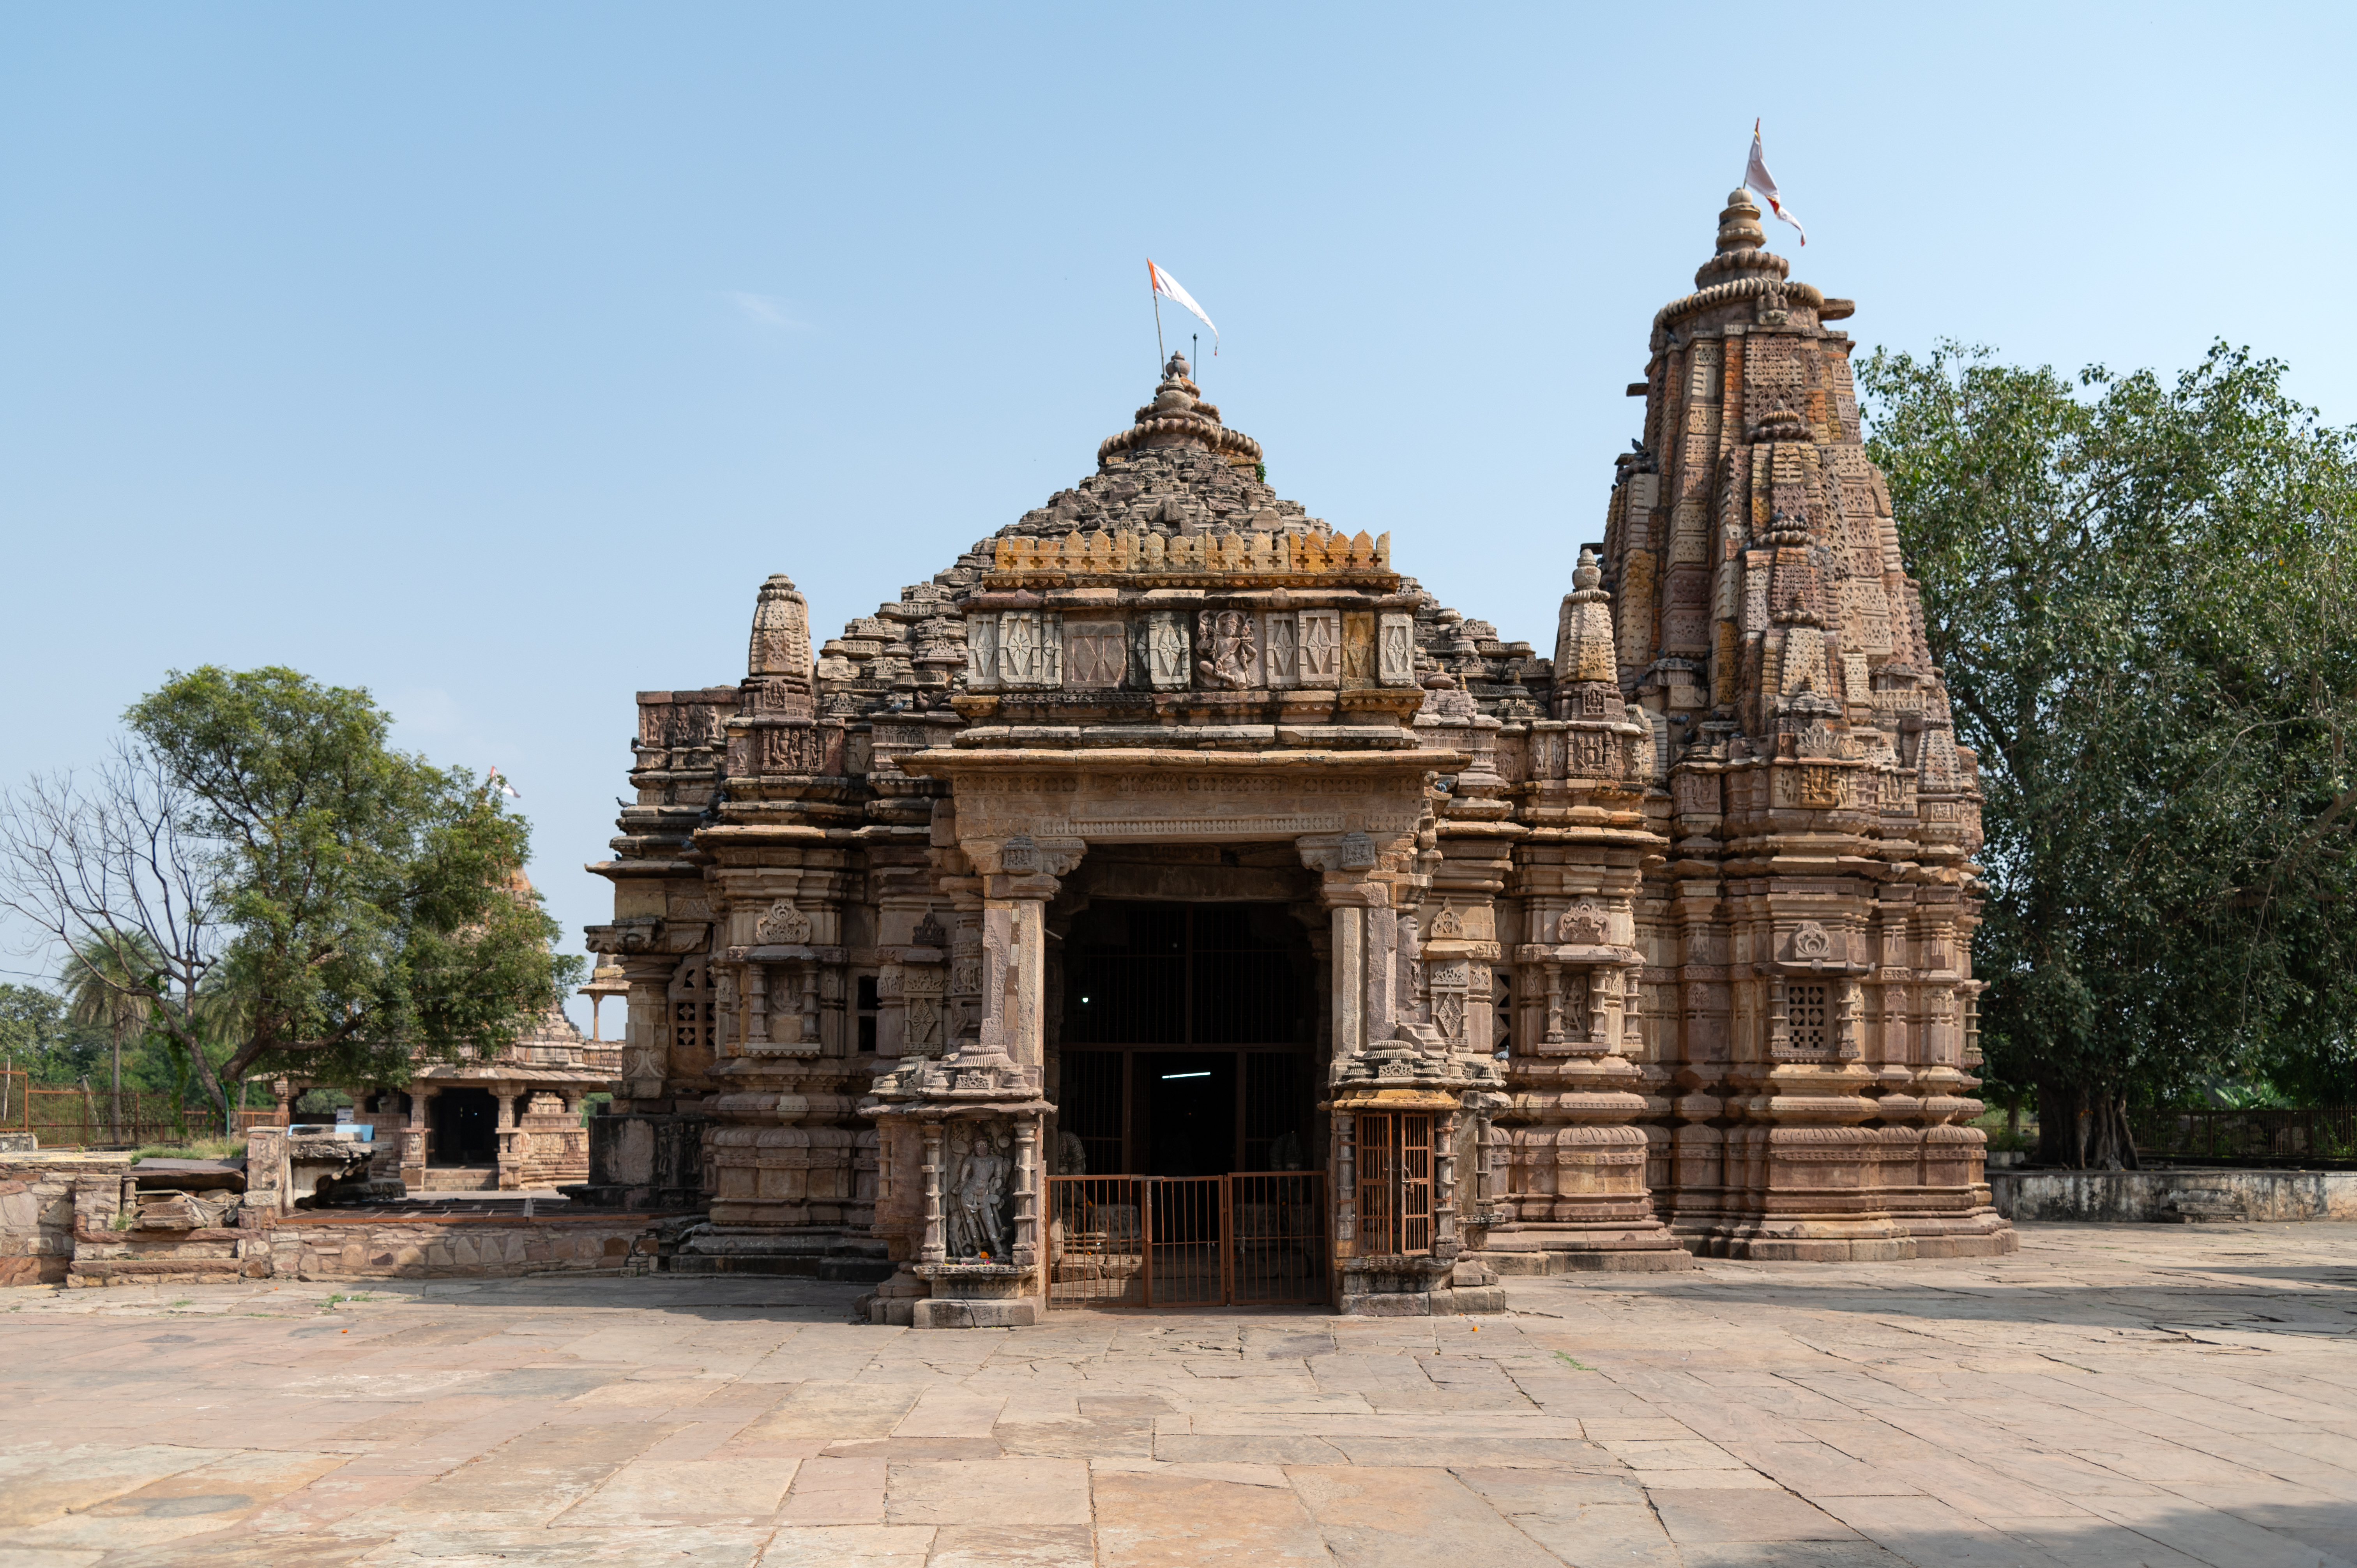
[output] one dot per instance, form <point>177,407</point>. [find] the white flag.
<point>1756,176</point>
<point>503,786</point>
<point>1168,287</point>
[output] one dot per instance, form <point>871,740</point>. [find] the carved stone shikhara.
<point>1663,940</point>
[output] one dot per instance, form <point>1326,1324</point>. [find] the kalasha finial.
<point>1588,574</point>
<point>1738,224</point>
<point>1179,417</point>
<point>1742,245</point>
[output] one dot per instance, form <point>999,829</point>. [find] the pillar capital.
<point>1024,859</point>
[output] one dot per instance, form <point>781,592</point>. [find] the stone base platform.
<point>844,1258</point>
<point>1568,1249</point>
<point>1854,1241</point>
<point>1418,1287</point>
<point>973,1295</point>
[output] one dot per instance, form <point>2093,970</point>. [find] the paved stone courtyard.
<point>2111,1395</point>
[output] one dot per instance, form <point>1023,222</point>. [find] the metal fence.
<point>79,1118</point>
<point>1247,1239</point>
<point>2322,1133</point>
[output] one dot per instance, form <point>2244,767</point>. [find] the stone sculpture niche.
<point>978,1166</point>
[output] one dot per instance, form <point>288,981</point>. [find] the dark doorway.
<point>465,1127</point>
<point>1186,1112</point>
<point>1187,1039</point>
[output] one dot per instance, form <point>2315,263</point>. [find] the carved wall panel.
<point>1169,667</point>
<point>1281,636</point>
<point>1358,649</point>
<point>981,651</point>
<point>1396,656</point>
<point>1321,647</point>
<point>1096,654</point>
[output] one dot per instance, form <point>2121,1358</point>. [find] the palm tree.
<point>110,981</point>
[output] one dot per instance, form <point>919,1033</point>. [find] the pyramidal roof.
<point>1176,469</point>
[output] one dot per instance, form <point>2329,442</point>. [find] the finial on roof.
<point>1587,576</point>
<point>1179,416</point>
<point>1742,244</point>
<point>1739,225</point>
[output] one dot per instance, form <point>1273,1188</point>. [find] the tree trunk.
<point>114,1092</point>
<point>2084,1126</point>
<point>194,1038</point>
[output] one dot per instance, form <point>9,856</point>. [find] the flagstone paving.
<point>2111,1395</point>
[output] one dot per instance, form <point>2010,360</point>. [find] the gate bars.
<point>1248,1238</point>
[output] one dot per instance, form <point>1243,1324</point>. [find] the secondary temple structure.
<point>1170,901</point>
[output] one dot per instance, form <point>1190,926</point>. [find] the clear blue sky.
<point>489,356</point>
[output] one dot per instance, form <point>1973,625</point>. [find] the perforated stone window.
<point>694,1017</point>
<point>1805,1003</point>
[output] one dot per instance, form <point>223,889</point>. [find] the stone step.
<point>461,1178</point>
<point>2193,1205</point>
<point>848,1270</point>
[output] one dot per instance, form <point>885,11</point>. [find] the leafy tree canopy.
<point>309,897</point>
<point>2139,591</point>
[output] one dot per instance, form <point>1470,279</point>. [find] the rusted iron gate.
<point>1247,1239</point>
<point>77,1117</point>
<point>2319,1133</point>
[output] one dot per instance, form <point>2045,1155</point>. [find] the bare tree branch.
<point>111,865</point>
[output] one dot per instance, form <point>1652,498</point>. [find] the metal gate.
<point>1249,1238</point>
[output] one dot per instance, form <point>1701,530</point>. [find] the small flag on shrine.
<point>503,786</point>
<point>1168,287</point>
<point>1756,176</point>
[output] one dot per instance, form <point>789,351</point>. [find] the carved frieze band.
<point>1211,649</point>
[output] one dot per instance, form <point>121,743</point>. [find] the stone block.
<point>974,1312</point>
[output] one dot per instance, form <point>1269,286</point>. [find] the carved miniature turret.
<point>780,645</point>
<point>1583,638</point>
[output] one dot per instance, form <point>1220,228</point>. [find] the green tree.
<point>2135,588</point>
<point>108,985</point>
<point>315,900</point>
<point>39,1039</point>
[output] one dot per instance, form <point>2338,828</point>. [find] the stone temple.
<point>1171,902</point>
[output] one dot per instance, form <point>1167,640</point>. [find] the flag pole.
<point>1195,357</point>
<point>1155,294</point>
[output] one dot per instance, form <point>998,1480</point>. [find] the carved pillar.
<point>1027,1208</point>
<point>510,1158</point>
<point>646,1028</point>
<point>931,1247</point>
<point>414,1138</point>
<point>1363,936</point>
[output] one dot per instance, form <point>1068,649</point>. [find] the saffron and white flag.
<point>1756,176</point>
<point>503,786</point>
<point>1168,287</point>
